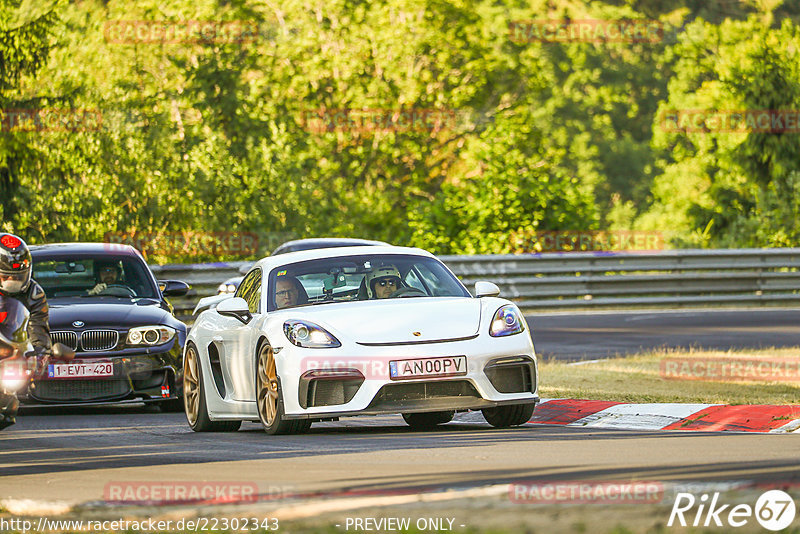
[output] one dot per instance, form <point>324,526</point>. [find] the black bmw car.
<point>106,305</point>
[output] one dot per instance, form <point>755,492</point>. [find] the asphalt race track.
<point>44,455</point>
<point>76,455</point>
<point>578,336</point>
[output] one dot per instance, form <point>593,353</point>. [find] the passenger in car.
<point>289,292</point>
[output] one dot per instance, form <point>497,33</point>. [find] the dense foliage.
<point>435,123</point>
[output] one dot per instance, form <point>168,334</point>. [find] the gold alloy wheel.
<point>267,386</point>
<point>191,386</point>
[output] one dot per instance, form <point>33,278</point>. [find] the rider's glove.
<point>38,363</point>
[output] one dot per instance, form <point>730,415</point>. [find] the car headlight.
<point>506,322</point>
<point>226,288</point>
<point>309,335</point>
<point>150,335</point>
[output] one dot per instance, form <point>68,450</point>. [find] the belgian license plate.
<point>80,370</point>
<point>428,367</point>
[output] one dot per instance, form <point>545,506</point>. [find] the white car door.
<point>239,341</point>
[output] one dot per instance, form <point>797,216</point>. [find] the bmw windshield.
<point>94,277</point>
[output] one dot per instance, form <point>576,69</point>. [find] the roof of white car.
<point>271,262</point>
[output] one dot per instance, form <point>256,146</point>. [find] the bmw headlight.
<point>507,321</point>
<point>150,335</point>
<point>309,335</point>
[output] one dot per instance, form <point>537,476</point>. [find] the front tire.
<point>269,400</point>
<point>194,398</point>
<point>506,416</point>
<point>423,421</point>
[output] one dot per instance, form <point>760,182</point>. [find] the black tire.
<point>194,397</point>
<point>505,416</point>
<point>269,398</point>
<point>428,419</point>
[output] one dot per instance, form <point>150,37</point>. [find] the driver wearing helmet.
<point>382,281</point>
<point>16,267</point>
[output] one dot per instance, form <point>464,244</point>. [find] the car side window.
<point>428,278</point>
<point>250,290</point>
<point>412,280</point>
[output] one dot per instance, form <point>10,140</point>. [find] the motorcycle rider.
<point>14,346</point>
<point>16,267</point>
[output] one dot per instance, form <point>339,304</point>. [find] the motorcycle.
<point>18,362</point>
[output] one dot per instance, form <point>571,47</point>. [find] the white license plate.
<point>427,367</point>
<point>80,369</point>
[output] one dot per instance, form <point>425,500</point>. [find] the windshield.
<point>366,277</point>
<point>92,278</point>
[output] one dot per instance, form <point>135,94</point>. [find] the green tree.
<point>723,187</point>
<point>26,37</point>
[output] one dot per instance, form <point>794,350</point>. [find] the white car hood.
<point>397,320</point>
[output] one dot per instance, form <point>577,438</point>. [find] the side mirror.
<point>173,288</point>
<point>62,352</point>
<point>209,303</point>
<point>486,289</point>
<point>235,307</point>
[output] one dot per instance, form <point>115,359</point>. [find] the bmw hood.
<point>405,320</point>
<point>101,313</point>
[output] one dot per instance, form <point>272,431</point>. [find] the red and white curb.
<point>666,416</point>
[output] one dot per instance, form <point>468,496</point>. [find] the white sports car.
<point>320,334</point>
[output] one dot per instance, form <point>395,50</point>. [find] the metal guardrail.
<point>670,278</point>
<point>575,280</point>
<point>204,278</point>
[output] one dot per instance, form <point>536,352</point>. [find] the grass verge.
<point>643,377</point>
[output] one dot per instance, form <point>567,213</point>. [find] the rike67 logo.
<point>774,510</point>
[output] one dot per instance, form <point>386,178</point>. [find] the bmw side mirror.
<point>235,307</point>
<point>486,289</point>
<point>173,288</point>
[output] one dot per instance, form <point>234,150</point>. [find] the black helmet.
<point>15,265</point>
<point>13,326</point>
